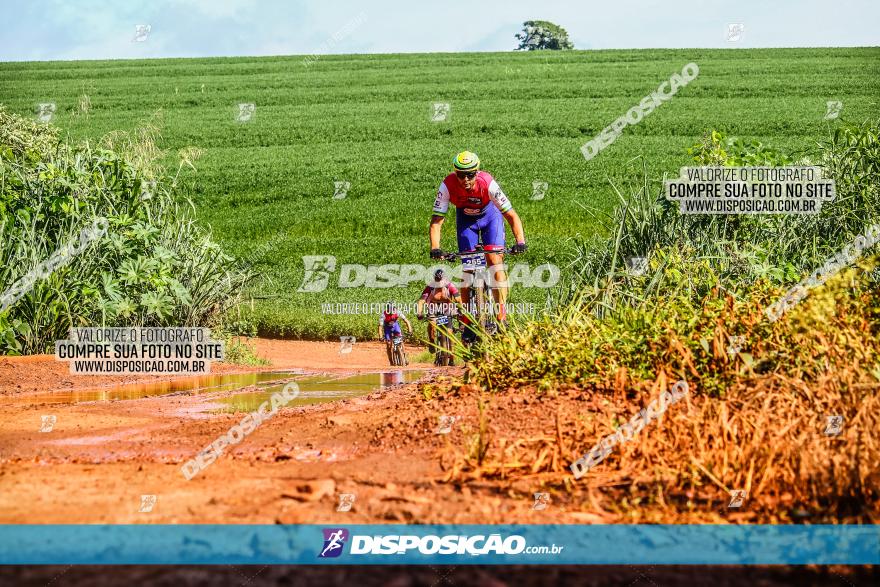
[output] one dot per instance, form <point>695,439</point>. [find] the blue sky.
<point>104,29</point>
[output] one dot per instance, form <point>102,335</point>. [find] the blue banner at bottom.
<point>439,544</point>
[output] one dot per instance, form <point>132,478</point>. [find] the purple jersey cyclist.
<point>389,324</point>
<point>480,211</point>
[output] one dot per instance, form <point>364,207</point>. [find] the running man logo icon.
<point>539,190</point>
<point>346,500</point>
<point>833,425</point>
<point>46,111</point>
<point>47,423</point>
<point>737,496</point>
<point>735,31</point>
<point>736,344</point>
<point>445,425</point>
<point>345,344</point>
<point>147,503</point>
<point>340,189</point>
<point>317,272</point>
<point>532,36</point>
<point>832,109</point>
<point>245,112</point>
<point>141,32</point>
<point>542,500</point>
<point>148,188</point>
<point>440,112</point>
<point>334,540</point>
<point>637,265</point>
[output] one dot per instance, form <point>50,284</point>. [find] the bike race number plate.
<point>442,320</point>
<point>473,261</point>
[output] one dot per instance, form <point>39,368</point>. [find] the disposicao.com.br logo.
<point>450,544</point>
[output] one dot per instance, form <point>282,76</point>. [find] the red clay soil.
<point>101,457</point>
<point>386,448</point>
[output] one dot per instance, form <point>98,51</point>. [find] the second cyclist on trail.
<point>480,211</point>
<point>438,297</point>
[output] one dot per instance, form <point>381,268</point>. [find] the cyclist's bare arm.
<point>434,230</point>
<point>441,207</point>
<point>515,225</point>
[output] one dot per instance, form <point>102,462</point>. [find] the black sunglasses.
<point>467,174</point>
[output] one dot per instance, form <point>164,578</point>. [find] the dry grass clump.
<point>765,434</point>
<point>767,437</point>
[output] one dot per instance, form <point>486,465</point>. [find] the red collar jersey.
<point>474,202</point>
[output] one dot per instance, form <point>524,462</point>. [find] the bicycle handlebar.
<point>479,249</point>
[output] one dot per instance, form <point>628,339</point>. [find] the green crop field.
<point>266,186</point>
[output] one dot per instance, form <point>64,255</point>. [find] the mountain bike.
<point>474,262</point>
<point>442,331</point>
<point>398,354</point>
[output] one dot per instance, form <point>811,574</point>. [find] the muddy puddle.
<point>321,388</point>
<point>257,388</point>
<point>200,384</point>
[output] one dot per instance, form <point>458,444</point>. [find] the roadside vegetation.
<point>709,277</point>
<point>266,186</point>
<point>154,265</point>
<point>760,391</point>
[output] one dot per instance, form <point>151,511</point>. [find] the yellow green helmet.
<point>466,161</point>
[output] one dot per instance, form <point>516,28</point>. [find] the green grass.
<point>423,357</point>
<point>365,119</point>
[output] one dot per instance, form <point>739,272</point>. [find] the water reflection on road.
<point>260,387</point>
<point>322,388</point>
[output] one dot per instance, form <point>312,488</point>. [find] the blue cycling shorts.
<point>487,228</point>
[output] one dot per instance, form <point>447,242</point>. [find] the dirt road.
<point>101,457</point>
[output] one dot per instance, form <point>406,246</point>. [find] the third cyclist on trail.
<point>389,326</point>
<point>480,210</point>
